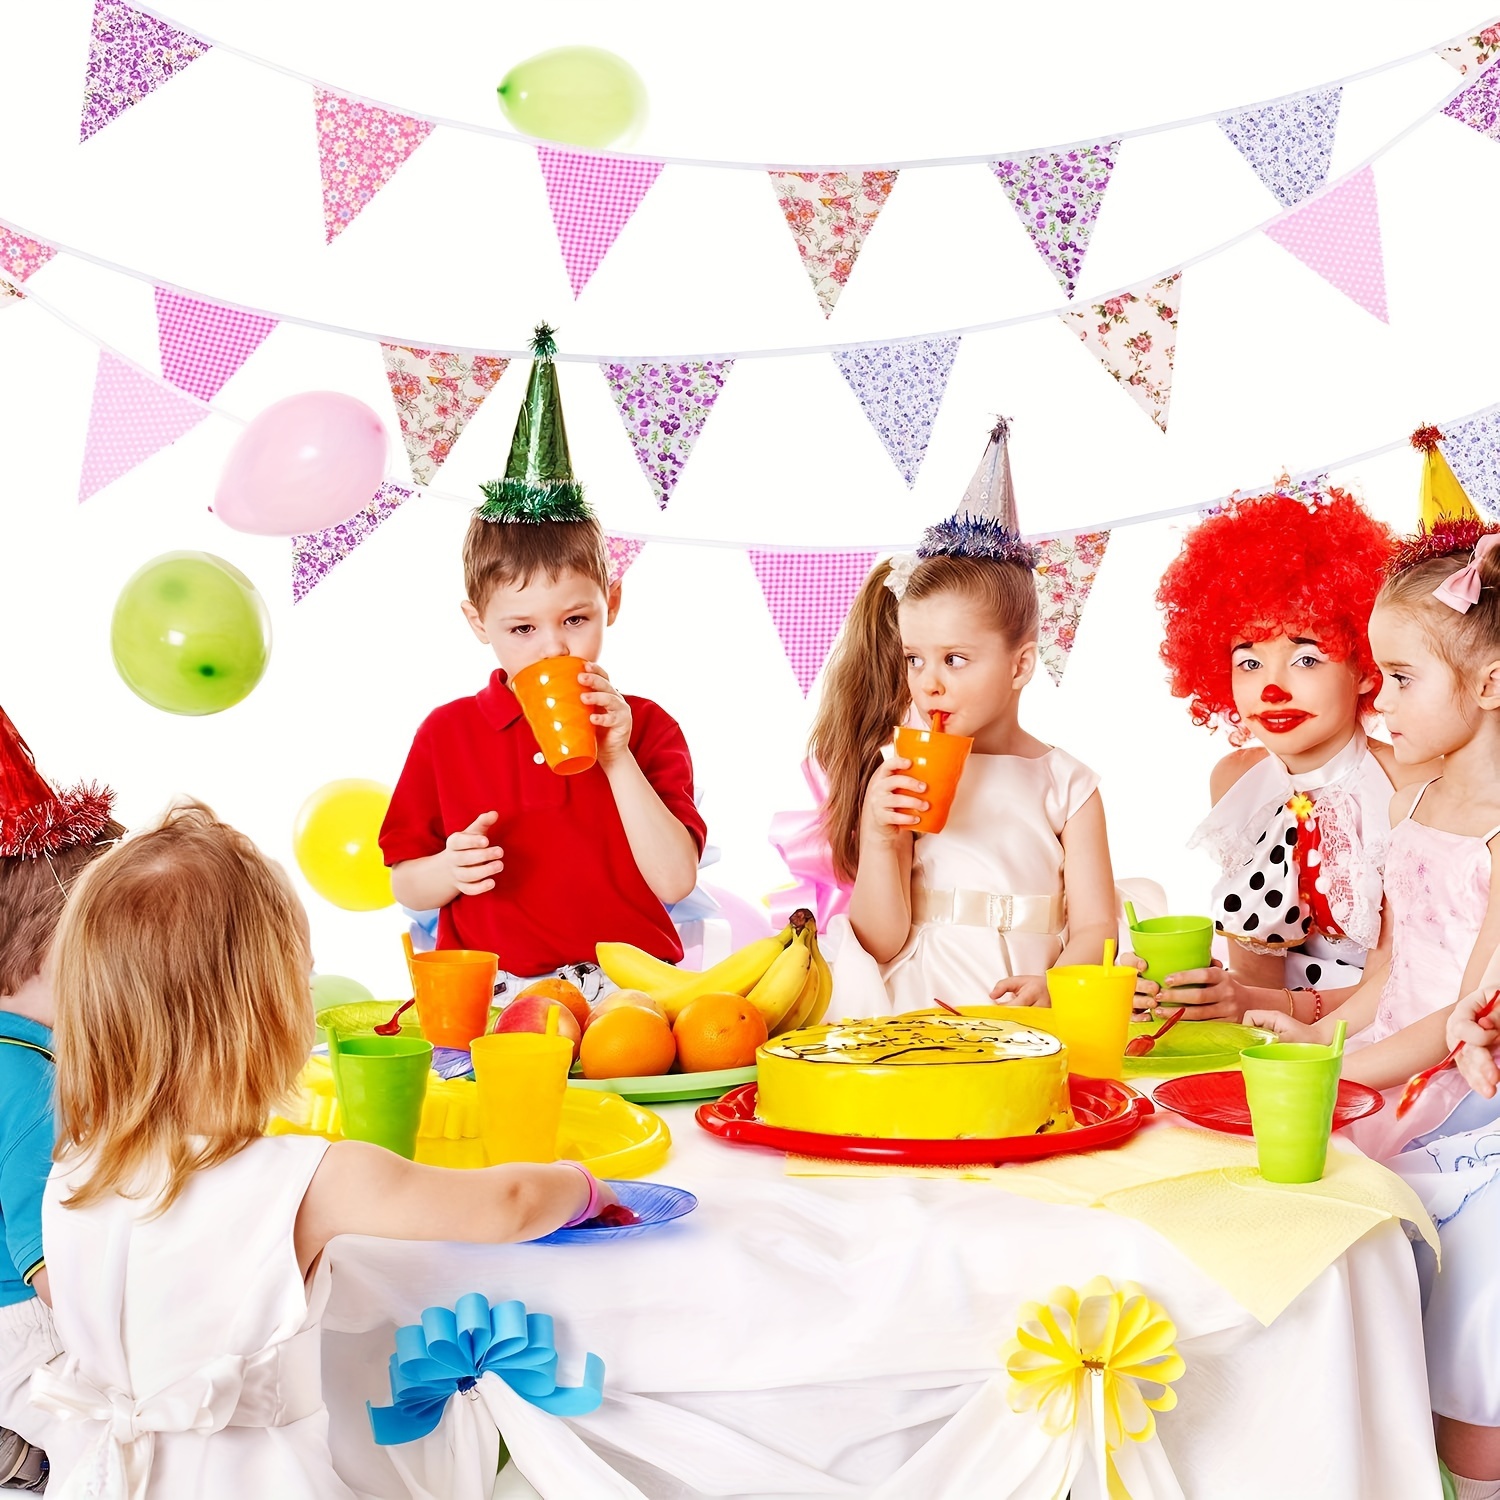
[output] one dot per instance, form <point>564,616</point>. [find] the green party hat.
<point>539,483</point>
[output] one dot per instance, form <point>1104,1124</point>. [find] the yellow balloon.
<point>335,841</point>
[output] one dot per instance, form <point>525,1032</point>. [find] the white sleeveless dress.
<point>193,1365</point>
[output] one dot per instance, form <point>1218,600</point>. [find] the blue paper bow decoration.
<point>450,1349</point>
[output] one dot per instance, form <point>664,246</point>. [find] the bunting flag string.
<point>830,215</point>
<point>1472,53</point>
<point>360,148</point>
<point>900,387</point>
<point>592,198</point>
<point>1057,198</point>
<point>1472,448</point>
<point>1289,144</point>
<point>1134,336</point>
<point>1337,234</point>
<point>131,54</point>
<point>436,394</point>
<point>664,408</point>
<point>809,594</point>
<point>317,554</point>
<point>203,344</point>
<point>1065,572</point>
<point>1478,106</point>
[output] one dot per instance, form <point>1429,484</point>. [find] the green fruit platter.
<point>667,1088</point>
<point>1192,1047</point>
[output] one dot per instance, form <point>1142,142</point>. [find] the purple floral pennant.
<point>900,387</point>
<point>1478,106</point>
<point>131,55</point>
<point>1057,197</point>
<point>436,394</point>
<point>1472,449</point>
<point>1134,335</point>
<point>1065,572</point>
<point>1289,143</point>
<point>317,554</point>
<point>1472,53</point>
<point>664,408</point>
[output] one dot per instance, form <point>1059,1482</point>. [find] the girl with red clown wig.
<point>1267,608</point>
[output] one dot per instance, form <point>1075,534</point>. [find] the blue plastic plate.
<point>654,1202</point>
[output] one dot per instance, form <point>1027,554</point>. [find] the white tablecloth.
<point>800,1336</point>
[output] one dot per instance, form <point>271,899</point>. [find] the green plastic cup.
<point>1173,945</point>
<point>1291,1088</point>
<point>382,1085</point>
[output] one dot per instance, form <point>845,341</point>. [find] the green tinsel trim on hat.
<point>521,500</point>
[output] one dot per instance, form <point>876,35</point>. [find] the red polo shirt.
<point>570,880</point>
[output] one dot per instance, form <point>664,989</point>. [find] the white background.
<point>212,184</point>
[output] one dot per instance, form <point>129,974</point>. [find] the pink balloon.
<point>302,465</point>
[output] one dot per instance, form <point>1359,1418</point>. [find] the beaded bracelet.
<point>591,1208</point>
<point>1291,1003</point>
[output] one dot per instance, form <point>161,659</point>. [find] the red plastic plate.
<point>1106,1112</point>
<point>1217,1100</point>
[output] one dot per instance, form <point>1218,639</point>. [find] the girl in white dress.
<point>1020,878</point>
<point>181,1242</point>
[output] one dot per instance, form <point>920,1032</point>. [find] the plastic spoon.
<point>393,1026</point>
<point>1139,1046</point>
<point>1417,1085</point>
<point>951,1009</point>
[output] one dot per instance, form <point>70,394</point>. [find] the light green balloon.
<point>584,96</point>
<point>335,989</point>
<point>190,634</point>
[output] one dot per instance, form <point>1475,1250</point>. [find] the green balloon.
<point>336,989</point>
<point>190,634</point>
<point>584,96</point>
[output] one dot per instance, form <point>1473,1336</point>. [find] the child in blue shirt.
<point>46,839</point>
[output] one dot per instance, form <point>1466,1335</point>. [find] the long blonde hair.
<point>184,1010</point>
<point>865,689</point>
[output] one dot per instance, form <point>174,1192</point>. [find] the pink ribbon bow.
<point>1460,590</point>
<point>801,842</point>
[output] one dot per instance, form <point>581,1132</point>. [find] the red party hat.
<point>35,820</point>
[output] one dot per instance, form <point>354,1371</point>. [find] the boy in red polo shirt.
<point>525,863</point>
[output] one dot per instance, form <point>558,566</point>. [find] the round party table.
<point>803,1335</point>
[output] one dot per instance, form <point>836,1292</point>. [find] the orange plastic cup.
<point>551,697</point>
<point>938,759</point>
<point>455,988</point>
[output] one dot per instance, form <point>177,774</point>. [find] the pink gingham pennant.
<point>360,148</point>
<point>621,551</point>
<point>131,55</point>
<point>203,344</point>
<point>317,554</point>
<point>133,416</point>
<point>809,594</point>
<point>592,198</point>
<point>1337,234</point>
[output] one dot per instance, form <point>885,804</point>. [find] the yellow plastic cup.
<point>522,1078</point>
<point>938,760</point>
<point>1091,1006</point>
<point>455,988</point>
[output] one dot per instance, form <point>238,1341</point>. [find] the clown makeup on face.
<point>1299,702</point>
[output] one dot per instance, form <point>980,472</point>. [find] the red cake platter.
<point>1107,1112</point>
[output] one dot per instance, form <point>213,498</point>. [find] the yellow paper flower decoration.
<point>1118,1338</point>
<point>1301,806</point>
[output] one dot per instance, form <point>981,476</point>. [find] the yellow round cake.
<point>915,1078</point>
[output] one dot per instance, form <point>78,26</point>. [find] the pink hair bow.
<point>1460,590</point>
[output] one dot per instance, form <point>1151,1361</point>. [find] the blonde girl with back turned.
<point>1020,877</point>
<point>181,1242</point>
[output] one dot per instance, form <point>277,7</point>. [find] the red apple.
<point>529,1013</point>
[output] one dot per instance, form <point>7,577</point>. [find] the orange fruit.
<point>617,998</point>
<point>718,1031</point>
<point>627,1042</point>
<point>565,992</point>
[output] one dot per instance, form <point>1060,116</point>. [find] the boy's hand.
<point>892,801</point>
<point>611,716</point>
<point>471,860</point>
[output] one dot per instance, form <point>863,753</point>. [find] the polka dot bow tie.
<point>1280,893</point>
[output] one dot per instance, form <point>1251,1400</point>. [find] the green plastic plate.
<point>670,1086</point>
<point>1192,1047</point>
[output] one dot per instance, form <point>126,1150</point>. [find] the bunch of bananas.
<point>784,977</point>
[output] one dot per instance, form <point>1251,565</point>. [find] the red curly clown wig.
<point>1266,566</point>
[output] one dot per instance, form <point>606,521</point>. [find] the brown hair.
<point>497,553</point>
<point>1462,640</point>
<point>33,892</point>
<point>184,1005</point>
<point>865,690</point>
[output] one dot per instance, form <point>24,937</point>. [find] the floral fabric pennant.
<point>1337,234</point>
<point>203,344</point>
<point>1289,143</point>
<point>1469,54</point>
<point>436,394</point>
<point>1478,106</point>
<point>900,387</point>
<point>131,55</point>
<point>809,594</point>
<point>19,258</point>
<point>1057,197</point>
<point>830,214</point>
<point>360,148</point>
<point>1065,572</point>
<point>664,408</point>
<point>592,198</point>
<point>1134,335</point>
<point>133,416</point>
<point>317,554</point>
<point>620,552</point>
<point>1472,449</point>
